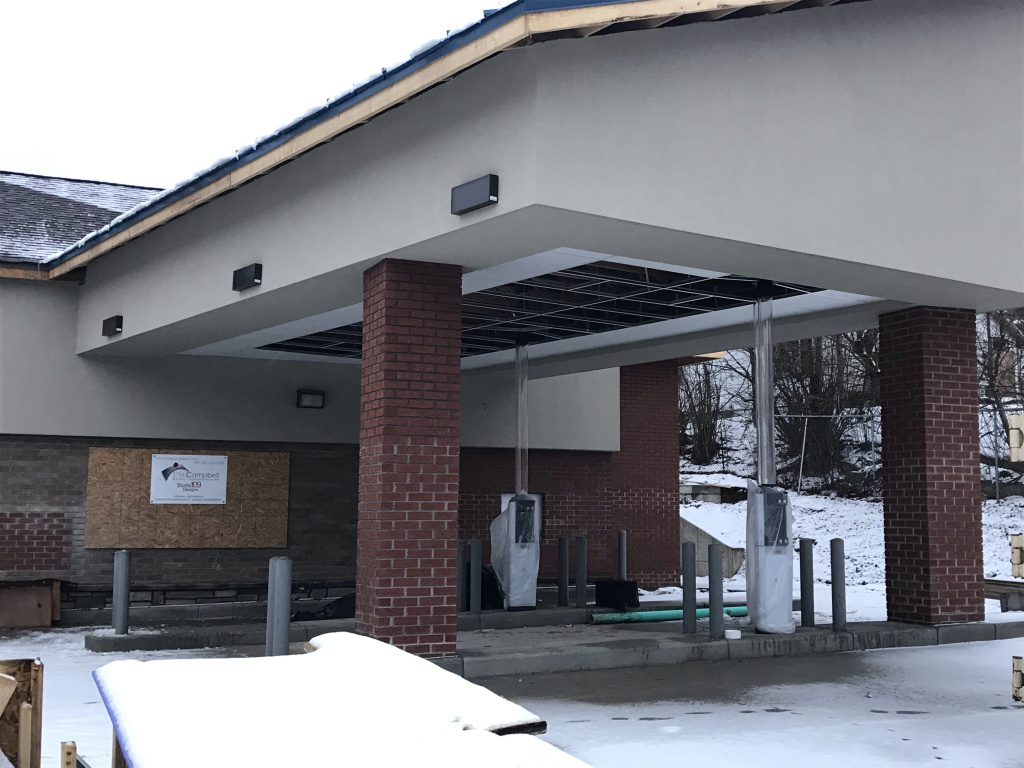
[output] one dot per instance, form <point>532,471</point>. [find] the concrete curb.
<point>181,638</point>
<point>643,650</point>
<point>647,651</point>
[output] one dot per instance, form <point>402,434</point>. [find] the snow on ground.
<point>72,710</point>
<point>859,523</point>
<point>727,525</point>
<point>942,705</point>
<point>719,479</point>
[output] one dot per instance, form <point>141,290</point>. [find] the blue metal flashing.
<point>455,41</point>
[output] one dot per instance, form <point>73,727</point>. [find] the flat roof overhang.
<point>579,310</point>
<point>584,300</point>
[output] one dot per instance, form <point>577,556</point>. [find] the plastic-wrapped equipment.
<point>769,559</point>
<point>515,550</point>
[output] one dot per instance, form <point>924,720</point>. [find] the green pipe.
<point>672,615</point>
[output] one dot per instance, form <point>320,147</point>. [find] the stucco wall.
<point>889,134</point>
<point>47,389</point>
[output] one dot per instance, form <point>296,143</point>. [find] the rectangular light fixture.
<point>475,194</point>
<point>309,398</point>
<point>247,277</point>
<point>113,325</point>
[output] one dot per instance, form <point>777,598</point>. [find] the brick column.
<point>930,458</point>
<point>644,474</point>
<point>409,456</point>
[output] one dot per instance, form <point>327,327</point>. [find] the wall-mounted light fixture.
<point>247,277</point>
<point>309,398</point>
<point>475,194</point>
<point>113,325</point>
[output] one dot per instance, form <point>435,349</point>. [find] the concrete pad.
<point>965,633</point>
<point>1010,629</point>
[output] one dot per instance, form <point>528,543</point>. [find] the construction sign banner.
<point>188,479</point>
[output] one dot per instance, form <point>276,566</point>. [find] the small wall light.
<point>309,398</point>
<point>247,277</point>
<point>475,194</point>
<point>113,325</point>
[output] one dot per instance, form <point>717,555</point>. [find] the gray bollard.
<point>838,586</point>
<point>268,646</point>
<point>279,606</point>
<point>476,560</point>
<point>563,571</point>
<point>689,587</point>
<point>122,588</point>
<point>806,582</point>
<point>581,571</point>
<point>716,598</point>
<point>461,594</point>
<point>623,554</point>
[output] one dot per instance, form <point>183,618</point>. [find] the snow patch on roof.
<point>113,197</point>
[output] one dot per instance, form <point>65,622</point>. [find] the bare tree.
<point>700,394</point>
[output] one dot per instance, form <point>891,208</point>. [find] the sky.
<point>150,92</point>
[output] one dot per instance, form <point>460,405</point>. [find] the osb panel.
<point>118,513</point>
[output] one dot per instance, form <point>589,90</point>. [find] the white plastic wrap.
<point>769,570</point>
<point>516,561</point>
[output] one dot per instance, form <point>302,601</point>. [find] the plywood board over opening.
<point>118,513</point>
<point>21,720</point>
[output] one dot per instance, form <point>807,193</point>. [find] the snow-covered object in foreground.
<point>354,701</point>
<point>769,563</point>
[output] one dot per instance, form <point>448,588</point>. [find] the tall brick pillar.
<point>409,456</point>
<point>644,475</point>
<point>929,388</point>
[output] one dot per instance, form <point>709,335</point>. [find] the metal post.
<point>581,571</point>
<point>279,606</point>
<point>806,582</point>
<point>460,576</point>
<point>268,645</point>
<point>623,554</point>
<point>838,586</point>
<point>764,391</point>
<point>995,452</point>
<point>122,586</point>
<point>475,570</point>
<point>716,599</point>
<point>803,452</point>
<point>522,410</point>
<point>563,570</point>
<point>689,587</point>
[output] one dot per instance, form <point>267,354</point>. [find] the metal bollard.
<point>623,554</point>
<point>563,571</point>
<point>122,587</point>
<point>716,598</point>
<point>461,596</point>
<point>689,587</point>
<point>838,586</point>
<point>476,559</point>
<point>581,571</point>
<point>806,582</point>
<point>279,606</point>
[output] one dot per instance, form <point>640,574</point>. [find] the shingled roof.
<point>42,215</point>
